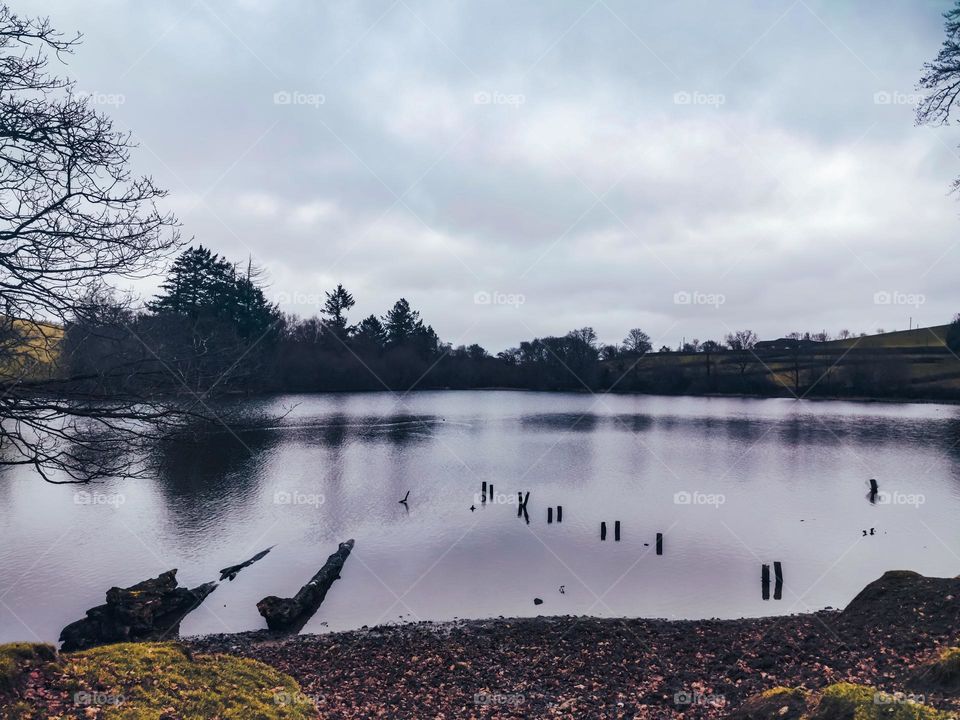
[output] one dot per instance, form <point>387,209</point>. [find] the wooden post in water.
<point>559,513</point>
<point>491,492</point>
<point>603,531</point>
<point>549,515</point>
<point>483,496</point>
<point>616,531</point>
<point>778,576</point>
<point>659,543</point>
<point>765,581</point>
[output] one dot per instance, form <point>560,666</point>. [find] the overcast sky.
<point>518,169</point>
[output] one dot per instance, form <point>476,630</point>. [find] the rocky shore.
<point>630,668</point>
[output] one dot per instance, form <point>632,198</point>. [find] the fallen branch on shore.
<point>291,614</point>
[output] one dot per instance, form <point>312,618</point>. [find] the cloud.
<point>595,161</point>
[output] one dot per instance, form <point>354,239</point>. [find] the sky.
<point>517,169</point>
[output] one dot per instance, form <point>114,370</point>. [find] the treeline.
<point>211,330</point>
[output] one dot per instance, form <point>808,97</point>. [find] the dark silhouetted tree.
<point>72,216</point>
<point>335,308</point>
<point>637,342</point>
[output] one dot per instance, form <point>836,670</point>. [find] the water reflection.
<point>792,476</point>
<point>206,481</point>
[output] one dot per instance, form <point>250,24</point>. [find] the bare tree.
<point>637,342</point>
<point>72,216</point>
<point>742,341</point>
<point>941,77</point>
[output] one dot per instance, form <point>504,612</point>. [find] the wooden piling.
<point>765,581</point>
<point>483,492</point>
<point>616,531</point>
<point>659,543</point>
<point>778,575</point>
<point>603,531</point>
<point>559,513</point>
<point>549,515</point>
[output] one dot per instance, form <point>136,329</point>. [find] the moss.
<point>779,703</point>
<point>847,701</point>
<point>138,681</point>
<point>943,673</point>
<point>15,656</point>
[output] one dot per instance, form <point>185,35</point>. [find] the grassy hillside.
<point>906,364</point>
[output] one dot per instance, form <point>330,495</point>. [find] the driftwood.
<point>149,610</point>
<point>291,614</point>
<point>229,573</point>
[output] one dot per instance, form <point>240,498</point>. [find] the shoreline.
<point>735,396</point>
<point>586,666</point>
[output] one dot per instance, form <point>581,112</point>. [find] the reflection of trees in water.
<point>573,422</point>
<point>951,434</point>
<point>206,479</point>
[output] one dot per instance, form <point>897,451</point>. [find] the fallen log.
<point>291,614</point>
<point>229,573</point>
<point>149,610</point>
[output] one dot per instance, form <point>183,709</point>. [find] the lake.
<point>731,484</point>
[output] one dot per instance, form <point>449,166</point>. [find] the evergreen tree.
<point>203,285</point>
<point>370,334</point>
<point>197,284</point>
<point>335,308</point>
<point>401,323</point>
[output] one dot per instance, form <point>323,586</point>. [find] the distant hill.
<point>909,364</point>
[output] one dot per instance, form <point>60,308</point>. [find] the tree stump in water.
<point>291,614</point>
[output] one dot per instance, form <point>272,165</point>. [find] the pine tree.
<point>335,308</point>
<point>370,334</point>
<point>401,323</point>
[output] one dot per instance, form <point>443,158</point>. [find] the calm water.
<point>767,480</point>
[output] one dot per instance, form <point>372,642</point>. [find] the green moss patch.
<point>941,674</point>
<point>779,703</point>
<point>847,701</point>
<point>841,701</point>
<point>15,658</point>
<point>157,681</point>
